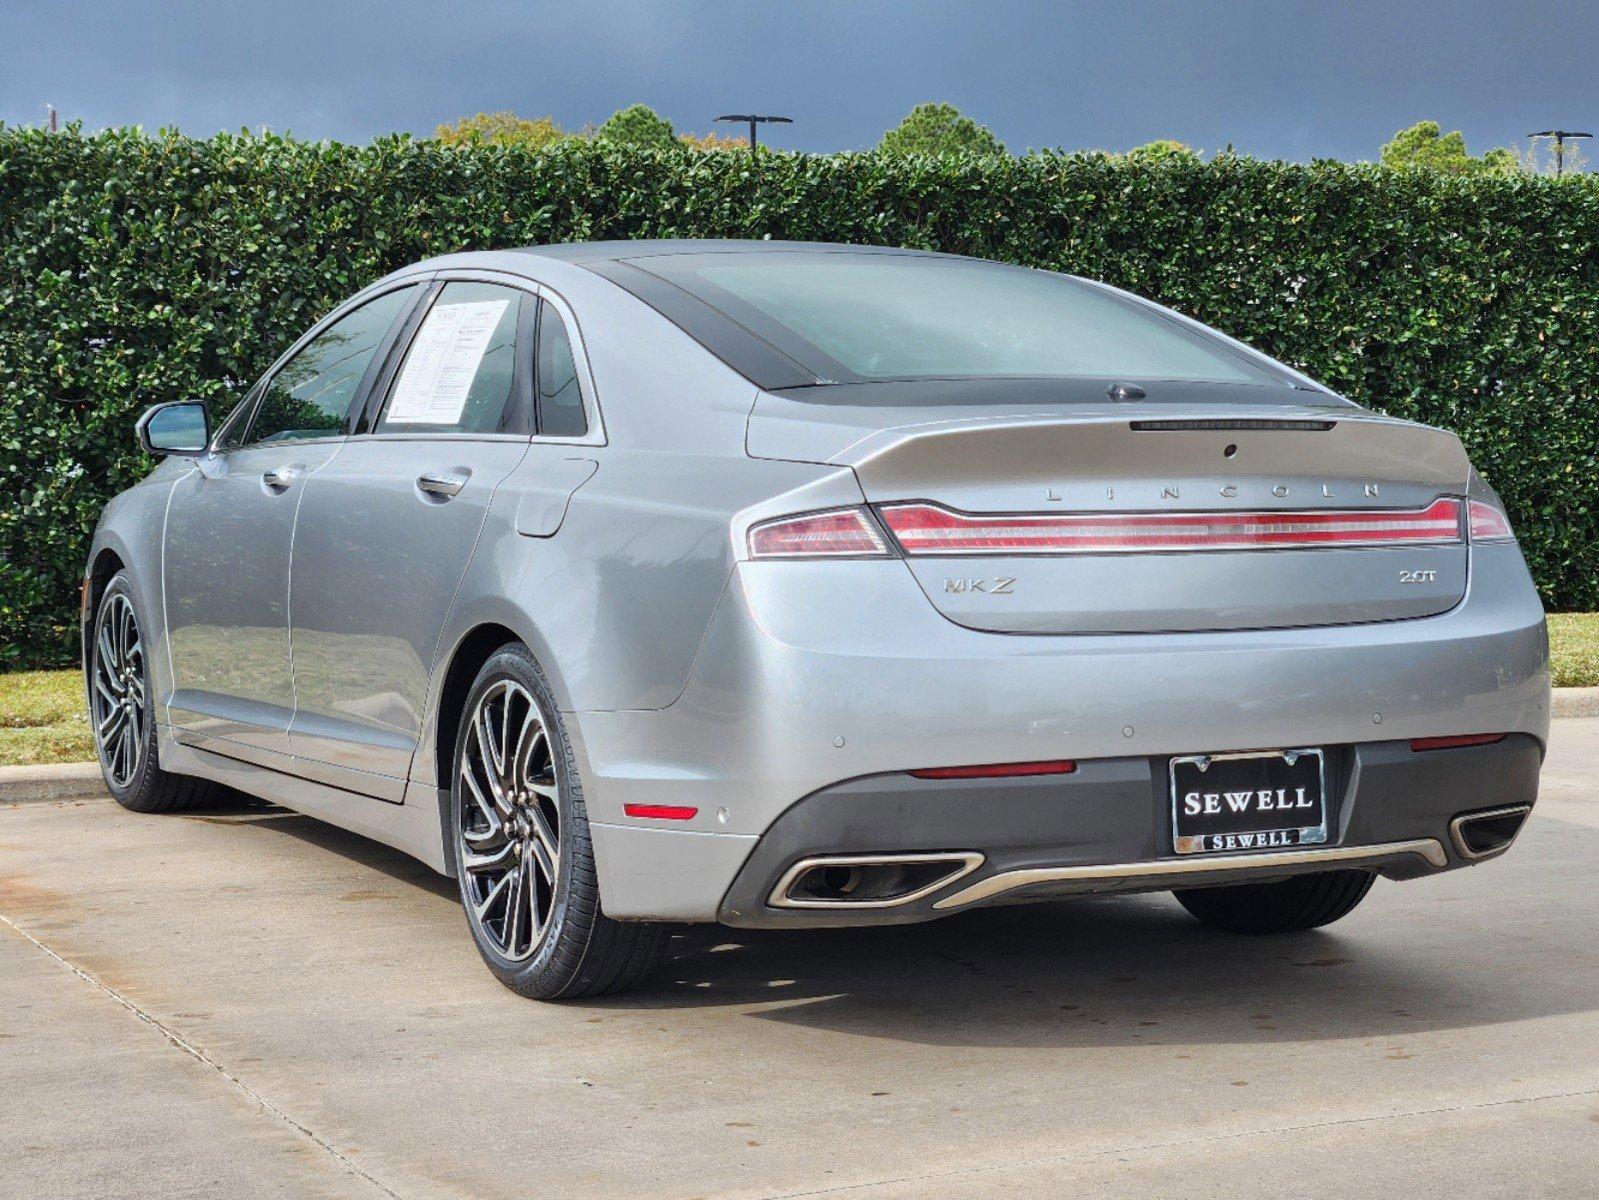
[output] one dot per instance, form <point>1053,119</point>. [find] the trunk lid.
<point>1204,510</point>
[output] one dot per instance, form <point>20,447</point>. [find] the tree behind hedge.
<point>136,269</point>
<point>939,129</point>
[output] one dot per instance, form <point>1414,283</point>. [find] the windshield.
<point>895,316</point>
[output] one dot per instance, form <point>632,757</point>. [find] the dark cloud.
<point>1294,79</point>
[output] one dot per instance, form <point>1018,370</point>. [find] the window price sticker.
<point>443,362</point>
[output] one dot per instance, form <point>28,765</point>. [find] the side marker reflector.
<point>661,812</point>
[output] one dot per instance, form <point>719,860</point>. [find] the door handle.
<point>443,486</point>
<point>279,478</point>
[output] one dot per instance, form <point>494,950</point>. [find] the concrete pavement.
<point>248,1003</point>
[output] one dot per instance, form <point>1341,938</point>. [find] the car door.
<point>387,528</point>
<point>230,521</point>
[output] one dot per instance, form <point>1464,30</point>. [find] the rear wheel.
<point>1285,906</point>
<point>524,860</point>
<point>122,711</point>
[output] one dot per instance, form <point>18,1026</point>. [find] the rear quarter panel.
<point>616,601</point>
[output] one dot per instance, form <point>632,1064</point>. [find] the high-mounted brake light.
<point>1059,766</point>
<point>839,533</point>
<point>1488,524</point>
<point>1459,739</point>
<point>931,529</point>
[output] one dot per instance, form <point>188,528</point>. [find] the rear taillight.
<point>1456,740</point>
<point>838,533</point>
<point>924,528</point>
<point>1057,766</point>
<point>1488,524</point>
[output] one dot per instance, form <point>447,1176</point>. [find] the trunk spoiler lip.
<point>884,445</point>
<point>873,443</point>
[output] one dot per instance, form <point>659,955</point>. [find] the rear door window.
<point>463,372</point>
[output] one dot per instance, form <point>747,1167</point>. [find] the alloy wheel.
<point>509,847</point>
<point>118,693</point>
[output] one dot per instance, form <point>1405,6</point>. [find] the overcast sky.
<point>1293,79</point>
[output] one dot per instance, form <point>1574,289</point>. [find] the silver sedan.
<point>787,585</point>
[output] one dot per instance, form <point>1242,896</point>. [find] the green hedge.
<point>138,269</point>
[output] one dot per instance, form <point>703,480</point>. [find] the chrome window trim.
<point>455,436</point>
<point>317,441</point>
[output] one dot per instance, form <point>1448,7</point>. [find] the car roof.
<point>617,251</point>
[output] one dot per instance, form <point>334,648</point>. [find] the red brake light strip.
<point>930,529</point>
<point>1455,741</point>
<point>1060,766</point>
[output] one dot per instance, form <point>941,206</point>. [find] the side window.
<point>460,373</point>
<point>560,399</point>
<point>311,393</point>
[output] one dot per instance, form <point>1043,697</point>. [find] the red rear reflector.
<point>660,812</point>
<point>1488,524</point>
<point>1449,743</point>
<point>842,532</point>
<point>931,529</point>
<point>1060,766</point>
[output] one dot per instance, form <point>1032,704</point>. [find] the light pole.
<point>753,121</point>
<point>1560,136</point>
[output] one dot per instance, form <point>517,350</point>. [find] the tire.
<point>122,711</point>
<point>1286,906</point>
<point>514,777</point>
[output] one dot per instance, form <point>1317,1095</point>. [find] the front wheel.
<point>524,860</point>
<point>1289,905</point>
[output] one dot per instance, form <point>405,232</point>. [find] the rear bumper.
<point>1107,828</point>
<point>817,672</point>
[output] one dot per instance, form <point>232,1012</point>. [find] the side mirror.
<point>182,427</point>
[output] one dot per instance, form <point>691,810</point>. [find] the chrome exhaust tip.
<point>869,880</point>
<point>1483,834</point>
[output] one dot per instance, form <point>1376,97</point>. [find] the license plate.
<point>1239,802</point>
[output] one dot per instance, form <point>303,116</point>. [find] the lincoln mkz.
<point>786,585</point>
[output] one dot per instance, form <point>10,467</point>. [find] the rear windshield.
<point>861,317</point>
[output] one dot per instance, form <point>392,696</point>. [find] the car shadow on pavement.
<point>231,807</point>
<point>1103,972</point>
<point>1450,953</point>
<point>1464,950</point>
